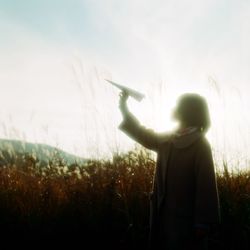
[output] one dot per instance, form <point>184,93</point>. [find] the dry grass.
<point>105,200</point>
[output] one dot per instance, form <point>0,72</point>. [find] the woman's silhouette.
<point>184,204</point>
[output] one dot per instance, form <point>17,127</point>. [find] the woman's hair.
<point>192,110</point>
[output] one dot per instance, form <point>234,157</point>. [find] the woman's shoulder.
<point>165,136</point>
<point>204,140</point>
<point>203,145</point>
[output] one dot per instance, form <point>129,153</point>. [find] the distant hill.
<point>44,153</point>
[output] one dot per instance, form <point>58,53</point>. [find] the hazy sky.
<point>54,55</point>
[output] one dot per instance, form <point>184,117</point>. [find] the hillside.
<point>43,153</point>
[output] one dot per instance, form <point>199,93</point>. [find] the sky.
<point>55,55</point>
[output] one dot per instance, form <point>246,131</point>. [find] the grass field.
<point>104,202</point>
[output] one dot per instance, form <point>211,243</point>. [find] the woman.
<point>184,204</point>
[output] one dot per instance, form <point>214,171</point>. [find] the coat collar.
<point>187,139</point>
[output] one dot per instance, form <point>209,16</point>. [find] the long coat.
<point>184,191</point>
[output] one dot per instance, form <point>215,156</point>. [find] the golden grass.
<point>107,199</point>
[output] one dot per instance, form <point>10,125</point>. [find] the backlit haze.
<point>55,55</point>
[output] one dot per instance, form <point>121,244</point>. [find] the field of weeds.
<point>104,203</point>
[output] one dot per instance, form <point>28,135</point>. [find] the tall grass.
<point>104,202</point>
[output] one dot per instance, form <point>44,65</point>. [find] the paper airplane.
<point>131,92</point>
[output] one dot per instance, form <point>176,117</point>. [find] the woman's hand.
<point>123,102</point>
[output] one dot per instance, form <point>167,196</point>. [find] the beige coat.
<point>184,190</point>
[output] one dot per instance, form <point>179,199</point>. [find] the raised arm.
<point>132,127</point>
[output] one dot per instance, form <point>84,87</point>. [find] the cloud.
<point>174,46</point>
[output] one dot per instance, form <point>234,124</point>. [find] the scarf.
<point>186,131</point>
